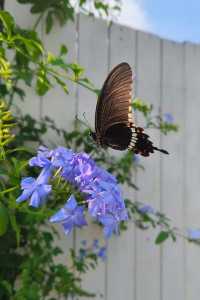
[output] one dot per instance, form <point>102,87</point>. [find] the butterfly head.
<point>93,135</point>
<point>97,139</point>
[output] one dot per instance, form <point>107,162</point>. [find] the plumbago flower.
<point>103,198</point>
<point>168,118</point>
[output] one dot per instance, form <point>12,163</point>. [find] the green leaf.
<point>82,2</point>
<point>140,105</point>
<point>43,84</point>
<point>162,236</point>
<point>15,227</point>
<point>56,61</point>
<point>62,84</point>
<point>8,22</point>
<point>63,50</point>
<point>4,219</point>
<point>49,22</point>
<point>77,69</point>
<point>7,286</point>
<point>32,46</point>
<point>99,5</point>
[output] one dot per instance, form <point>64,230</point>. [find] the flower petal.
<point>24,196</point>
<point>35,199</point>
<point>60,216</point>
<point>71,203</point>
<point>27,182</point>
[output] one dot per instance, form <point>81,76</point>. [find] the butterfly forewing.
<point>114,106</point>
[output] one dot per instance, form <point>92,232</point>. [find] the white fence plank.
<point>192,161</point>
<point>57,105</point>
<point>121,249</point>
<point>93,56</point>
<point>172,168</point>
<point>148,88</point>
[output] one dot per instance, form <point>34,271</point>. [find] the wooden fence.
<point>168,76</point>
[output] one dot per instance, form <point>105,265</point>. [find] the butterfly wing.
<point>113,118</point>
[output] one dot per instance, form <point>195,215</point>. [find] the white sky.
<point>134,15</point>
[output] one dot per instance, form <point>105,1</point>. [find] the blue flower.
<point>194,234</point>
<point>61,158</point>
<point>111,225</point>
<point>82,254</point>
<point>168,118</point>
<point>34,190</point>
<point>70,215</point>
<point>136,159</point>
<point>42,158</point>
<point>84,243</point>
<point>95,244</point>
<point>146,209</point>
<point>102,253</point>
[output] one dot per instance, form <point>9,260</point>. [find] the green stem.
<point>38,21</point>
<point>8,190</point>
<point>10,101</point>
<point>54,73</point>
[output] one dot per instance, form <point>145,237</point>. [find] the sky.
<point>177,20</point>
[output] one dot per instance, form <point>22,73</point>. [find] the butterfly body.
<point>114,123</point>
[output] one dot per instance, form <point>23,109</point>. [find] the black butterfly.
<point>114,123</point>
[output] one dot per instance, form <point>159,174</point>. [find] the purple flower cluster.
<point>103,197</point>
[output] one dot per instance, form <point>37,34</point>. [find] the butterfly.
<point>114,123</point>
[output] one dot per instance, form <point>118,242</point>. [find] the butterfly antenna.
<point>86,124</point>
<point>86,121</point>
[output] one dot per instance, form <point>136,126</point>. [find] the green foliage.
<point>5,125</point>
<point>139,105</point>
<point>153,121</point>
<point>167,127</point>
<point>64,11</point>
<point>28,249</point>
<point>4,219</point>
<point>32,64</point>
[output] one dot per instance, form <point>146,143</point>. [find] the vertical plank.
<point>23,18</point>
<point>192,144</point>
<point>148,88</point>
<point>56,104</point>
<point>172,168</point>
<point>121,249</point>
<point>93,56</point>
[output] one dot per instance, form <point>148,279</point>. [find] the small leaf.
<point>140,105</point>
<point>8,21</point>
<point>63,50</point>
<point>62,84</point>
<point>15,227</point>
<point>49,22</point>
<point>162,236</point>
<point>77,69</point>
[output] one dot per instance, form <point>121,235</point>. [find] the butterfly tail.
<point>161,150</point>
<point>143,145</point>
